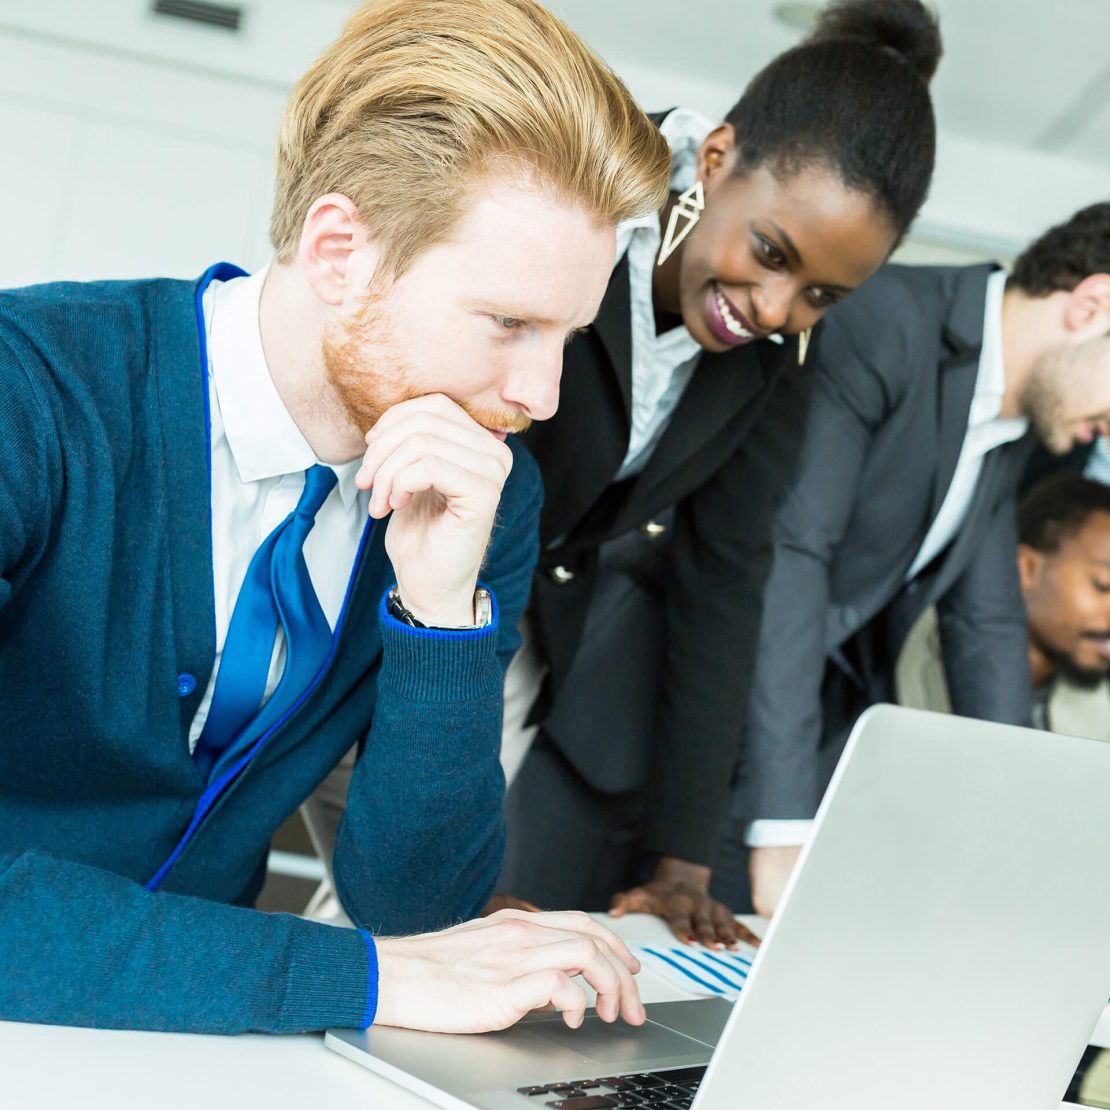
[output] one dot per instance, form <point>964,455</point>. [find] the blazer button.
<point>186,684</point>
<point>560,575</point>
<point>653,529</point>
<point>850,618</point>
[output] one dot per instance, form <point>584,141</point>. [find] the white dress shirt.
<point>259,457</point>
<point>986,430</point>
<point>1098,465</point>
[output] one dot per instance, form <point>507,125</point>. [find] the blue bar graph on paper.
<point>698,970</point>
<point>683,970</point>
<point>706,967</point>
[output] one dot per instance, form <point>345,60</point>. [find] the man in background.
<point>928,381</point>
<point>1063,560</point>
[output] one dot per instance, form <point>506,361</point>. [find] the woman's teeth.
<point>731,322</point>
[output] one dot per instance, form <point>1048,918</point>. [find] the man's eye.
<point>508,323</point>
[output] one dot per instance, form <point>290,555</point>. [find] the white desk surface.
<point>46,1067</point>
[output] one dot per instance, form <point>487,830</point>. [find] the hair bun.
<point>905,28</point>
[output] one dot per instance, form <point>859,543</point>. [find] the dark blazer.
<point>726,455</point>
<point>895,378</point>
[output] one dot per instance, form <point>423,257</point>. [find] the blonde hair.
<point>418,99</point>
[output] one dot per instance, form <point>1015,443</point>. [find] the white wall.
<point>115,166</point>
<point>987,200</point>
<point>150,152</point>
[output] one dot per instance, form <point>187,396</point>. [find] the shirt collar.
<point>992,368</point>
<point>263,438</point>
<point>990,381</point>
<point>685,131</point>
<point>639,238</point>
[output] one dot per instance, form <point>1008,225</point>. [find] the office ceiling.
<point>1029,73</point>
<point>1032,74</point>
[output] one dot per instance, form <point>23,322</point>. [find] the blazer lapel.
<point>614,328</point>
<point>963,336</point>
<point>1002,469</point>
<point>722,384</point>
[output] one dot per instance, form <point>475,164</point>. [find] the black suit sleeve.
<point>984,642</point>
<point>851,400</point>
<point>713,604</point>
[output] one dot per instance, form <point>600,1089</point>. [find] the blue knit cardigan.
<point>106,646</point>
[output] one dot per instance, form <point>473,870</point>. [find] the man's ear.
<point>1088,307</point>
<point>1030,564</point>
<point>333,251</point>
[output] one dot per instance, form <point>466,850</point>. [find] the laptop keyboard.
<point>669,1090</point>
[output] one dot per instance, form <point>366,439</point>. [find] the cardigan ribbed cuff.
<point>438,665</point>
<point>331,980</point>
<point>371,1010</point>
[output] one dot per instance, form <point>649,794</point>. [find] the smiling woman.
<point>680,422</point>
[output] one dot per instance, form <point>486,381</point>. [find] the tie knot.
<point>319,481</point>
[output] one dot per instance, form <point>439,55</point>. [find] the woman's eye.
<point>1102,587</point>
<point>770,252</point>
<point>508,323</point>
<point>820,298</point>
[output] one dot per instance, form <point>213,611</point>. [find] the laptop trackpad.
<point>616,1044</point>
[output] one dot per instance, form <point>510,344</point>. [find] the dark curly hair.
<point>853,98</point>
<point>1066,254</point>
<point>1057,508</point>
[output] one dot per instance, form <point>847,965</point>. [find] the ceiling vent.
<point>227,17</point>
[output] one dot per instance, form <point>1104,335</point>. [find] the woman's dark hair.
<point>852,98</point>
<point>1057,508</point>
<point>1066,254</point>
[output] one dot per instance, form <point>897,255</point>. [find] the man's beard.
<point>364,366</point>
<point>1042,400</point>
<point>1055,384</point>
<point>368,373</point>
<point>1064,666</point>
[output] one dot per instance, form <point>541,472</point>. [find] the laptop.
<point>943,942</point>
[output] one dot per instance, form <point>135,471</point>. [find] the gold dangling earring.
<point>803,345</point>
<point>689,207</point>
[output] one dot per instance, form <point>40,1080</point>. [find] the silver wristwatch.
<point>483,612</point>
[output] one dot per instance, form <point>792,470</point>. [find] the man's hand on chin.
<point>441,474</point>
<point>487,974</point>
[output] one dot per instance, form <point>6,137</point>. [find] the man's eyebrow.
<point>507,308</point>
<point>520,312</point>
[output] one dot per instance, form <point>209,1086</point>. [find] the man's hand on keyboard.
<point>487,974</point>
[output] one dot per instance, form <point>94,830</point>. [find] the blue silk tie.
<point>276,587</point>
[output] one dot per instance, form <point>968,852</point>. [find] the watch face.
<point>483,608</point>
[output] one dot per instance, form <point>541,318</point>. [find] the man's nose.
<point>534,385</point>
